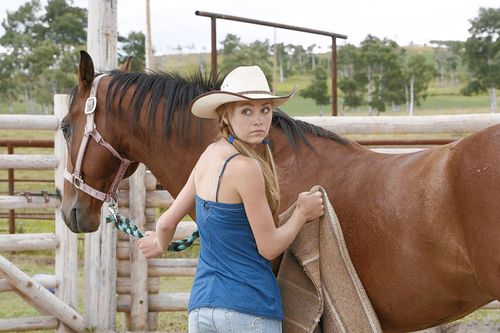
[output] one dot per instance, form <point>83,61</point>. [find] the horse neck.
<point>300,169</point>
<point>170,159</point>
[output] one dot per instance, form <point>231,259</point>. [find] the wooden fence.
<point>118,278</point>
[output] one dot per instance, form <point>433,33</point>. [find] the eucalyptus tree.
<point>482,54</point>
<point>382,60</point>
<point>318,89</point>
<point>40,46</point>
<point>417,73</point>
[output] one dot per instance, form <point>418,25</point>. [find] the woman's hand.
<point>310,205</point>
<point>149,245</point>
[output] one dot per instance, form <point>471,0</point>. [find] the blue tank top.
<point>231,273</point>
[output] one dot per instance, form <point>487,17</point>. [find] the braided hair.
<point>262,154</point>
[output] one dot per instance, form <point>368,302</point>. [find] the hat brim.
<point>204,105</point>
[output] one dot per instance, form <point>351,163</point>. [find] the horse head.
<point>95,164</point>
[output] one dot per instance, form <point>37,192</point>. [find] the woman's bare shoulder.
<point>247,166</point>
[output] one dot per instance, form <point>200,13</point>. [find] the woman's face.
<point>251,120</point>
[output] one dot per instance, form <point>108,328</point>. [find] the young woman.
<point>234,187</point>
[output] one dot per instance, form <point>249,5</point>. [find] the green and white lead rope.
<point>127,226</point>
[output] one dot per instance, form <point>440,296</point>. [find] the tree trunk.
<point>493,99</point>
<point>407,98</point>
<point>412,94</point>
<point>27,103</point>
<point>282,78</point>
<point>443,75</point>
<point>369,97</point>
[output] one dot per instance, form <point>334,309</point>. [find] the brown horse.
<point>422,229</point>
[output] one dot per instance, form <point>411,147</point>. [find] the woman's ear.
<point>224,119</point>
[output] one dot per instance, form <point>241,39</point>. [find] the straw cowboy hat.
<point>241,84</point>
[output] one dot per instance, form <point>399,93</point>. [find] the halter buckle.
<point>77,181</point>
<point>90,105</point>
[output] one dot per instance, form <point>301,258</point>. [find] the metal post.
<point>214,16</point>
<point>213,71</point>
<point>334,76</point>
<point>12,212</point>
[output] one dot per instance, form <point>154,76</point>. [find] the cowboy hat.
<point>241,84</point>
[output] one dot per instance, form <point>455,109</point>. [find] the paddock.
<point>117,278</point>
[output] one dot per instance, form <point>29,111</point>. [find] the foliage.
<point>134,45</point>
<point>40,58</point>
<point>318,89</point>
<point>420,72</point>
<point>482,51</point>
<point>236,53</point>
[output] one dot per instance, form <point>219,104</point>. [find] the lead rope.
<point>125,225</point>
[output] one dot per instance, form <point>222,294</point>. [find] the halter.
<point>76,178</point>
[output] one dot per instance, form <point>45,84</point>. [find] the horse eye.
<point>65,128</point>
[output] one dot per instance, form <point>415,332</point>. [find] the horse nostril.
<point>73,221</point>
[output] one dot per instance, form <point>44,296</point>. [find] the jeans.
<point>220,320</point>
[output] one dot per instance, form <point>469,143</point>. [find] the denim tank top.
<point>231,273</point>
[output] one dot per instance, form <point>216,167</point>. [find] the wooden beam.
<point>28,122</point>
<point>160,199</point>
<point>31,162</point>
<point>158,302</point>
<point>28,324</point>
<point>40,296</point>
<point>47,281</point>
<point>405,124</point>
<point>162,267</point>
<point>21,202</point>
<point>28,242</point>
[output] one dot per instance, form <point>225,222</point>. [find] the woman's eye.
<point>247,112</point>
<point>266,110</point>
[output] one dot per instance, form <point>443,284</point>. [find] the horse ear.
<point>85,70</point>
<point>126,66</point>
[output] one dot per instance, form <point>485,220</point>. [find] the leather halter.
<point>76,178</point>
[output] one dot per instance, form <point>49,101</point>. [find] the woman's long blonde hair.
<point>262,154</point>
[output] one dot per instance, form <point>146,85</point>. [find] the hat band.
<point>254,92</point>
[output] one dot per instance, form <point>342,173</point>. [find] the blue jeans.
<point>220,320</point>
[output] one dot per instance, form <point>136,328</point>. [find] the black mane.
<point>176,92</point>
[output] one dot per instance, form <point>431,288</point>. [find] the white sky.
<point>174,22</point>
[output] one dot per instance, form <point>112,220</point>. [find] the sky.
<point>174,23</point>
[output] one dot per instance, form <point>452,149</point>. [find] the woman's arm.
<point>272,241</point>
<point>154,244</point>
<point>168,221</point>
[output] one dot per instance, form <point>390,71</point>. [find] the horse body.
<point>403,226</point>
<point>422,229</point>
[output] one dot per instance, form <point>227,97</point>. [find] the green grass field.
<point>440,101</point>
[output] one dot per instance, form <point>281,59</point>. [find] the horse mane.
<point>172,89</point>
<point>295,130</point>
<point>177,91</point>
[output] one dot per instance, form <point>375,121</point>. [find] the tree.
<point>482,54</point>
<point>383,61</point>
<point>447,55</point>
<point>134,45</point>
<point>40,57</point>
<point>318,89</point>
<point>237,54</point>
<point>352,79</point>
<point>418,74</point>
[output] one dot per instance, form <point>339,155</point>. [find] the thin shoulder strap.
<point>221,173</point>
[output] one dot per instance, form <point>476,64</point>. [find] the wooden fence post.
<point>138,263</point>
<point>66,253</point>
<point>100,246</point>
